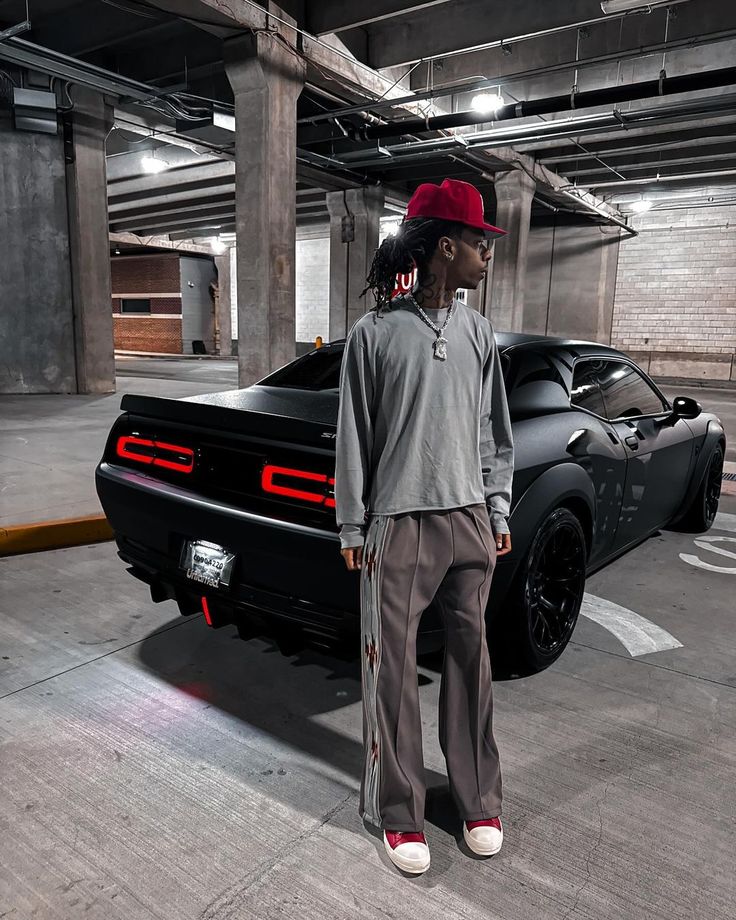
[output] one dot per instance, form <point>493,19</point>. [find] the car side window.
<point>317,370</point>
<point>626,394</point>
<point>586,391</point>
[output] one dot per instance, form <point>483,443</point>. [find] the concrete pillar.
<point>55,303</point>
<point>354,228</point>
<point>514,193</point>
<point>224,320</point>
<point>266,79</point>
<point>86,182</point>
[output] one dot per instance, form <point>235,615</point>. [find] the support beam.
<point>223,318</point>
<point>354,226</point>
<point>56,327</point>
<point>327,64</point>
<point>86,182</point>
<point>266,79</point>
<point>337,16</point>
<point>514,193</point>
<point>160,242</point>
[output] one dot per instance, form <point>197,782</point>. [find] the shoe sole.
<point>480,851</point>
<point>405,865</point>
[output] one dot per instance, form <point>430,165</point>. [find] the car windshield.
<point>320,370</point>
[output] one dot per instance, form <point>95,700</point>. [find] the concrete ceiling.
<point>434,55</point>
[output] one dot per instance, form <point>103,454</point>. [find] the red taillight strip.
<point>186,453</point>
<point>206,611</point>
<point>123,449</point>
<point>268,485</point>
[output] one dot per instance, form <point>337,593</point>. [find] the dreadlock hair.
<point>414,243</point>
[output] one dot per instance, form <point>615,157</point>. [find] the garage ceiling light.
<point>217,246</point>
<point>644,204</point>
<point>485,103</point>
<point>611,7</point>
<point>151,164</point>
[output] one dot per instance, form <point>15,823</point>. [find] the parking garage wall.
<point>312,286</point>
<point>312,283</point>
<point>675,302</point>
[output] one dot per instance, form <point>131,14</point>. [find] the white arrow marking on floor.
<point>705,542</point>
<point>638,635</point>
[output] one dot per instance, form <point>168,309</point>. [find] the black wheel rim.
<point>713,486</point>
<point>555,587</point>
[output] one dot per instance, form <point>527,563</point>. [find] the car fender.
<point>714,433</point>
<point>563,484</point>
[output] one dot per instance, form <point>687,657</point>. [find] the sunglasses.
<point>481,246</point>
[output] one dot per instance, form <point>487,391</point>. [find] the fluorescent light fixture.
<point>642,205</point>
<point>151,164</point>
<point>610,7</point>
<point>217,246</point>
<point>486,103</point>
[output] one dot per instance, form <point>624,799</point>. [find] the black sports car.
<point>225,502</point>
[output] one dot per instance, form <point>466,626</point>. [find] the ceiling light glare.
<point>153,165</point>
<point>391,226</point>
<point>644,204</point>
<point>217,246</point>
<point>612,7</point>
<point>486,103</point>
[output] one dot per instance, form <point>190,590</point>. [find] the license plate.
<point>207,563</point>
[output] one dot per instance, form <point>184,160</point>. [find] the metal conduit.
<point>648,89</point>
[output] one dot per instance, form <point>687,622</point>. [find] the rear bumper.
<point>287,571</point>
<point>287,576</point>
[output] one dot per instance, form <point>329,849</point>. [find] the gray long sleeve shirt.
<point>415,432</point>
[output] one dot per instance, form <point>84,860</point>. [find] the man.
<point>424,463</point>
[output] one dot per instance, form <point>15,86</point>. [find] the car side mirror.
<point>685,407</point>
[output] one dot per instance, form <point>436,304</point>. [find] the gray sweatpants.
<point>408,559</point>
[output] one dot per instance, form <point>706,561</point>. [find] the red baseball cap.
<point>453,200</point>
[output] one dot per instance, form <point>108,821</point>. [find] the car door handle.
<point>632,441</point>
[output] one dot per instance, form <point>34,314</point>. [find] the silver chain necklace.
<point>440,343</point>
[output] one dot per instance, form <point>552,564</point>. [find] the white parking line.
<point>707,541</point>
<point>638,635</point>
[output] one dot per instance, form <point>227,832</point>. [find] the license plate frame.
<point>208,564</point>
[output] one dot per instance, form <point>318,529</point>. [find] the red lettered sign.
<point>404,283</point>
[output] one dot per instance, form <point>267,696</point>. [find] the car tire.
<point>545,596</point>
<point>701,514</point>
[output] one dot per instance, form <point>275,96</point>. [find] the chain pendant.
<point>440,348</point>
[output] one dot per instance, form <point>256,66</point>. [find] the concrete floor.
<point>50,445</point>
<point>154,768</point>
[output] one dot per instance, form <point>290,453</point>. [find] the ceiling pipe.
<point>35,57</point>
<point>664,86</point>
<point>401,154</point>
<point>658,180</point>
<point>477,85</point>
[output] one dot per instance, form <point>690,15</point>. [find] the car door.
<point>659,449</point>
<point>598,449</point>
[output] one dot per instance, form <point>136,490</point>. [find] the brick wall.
<point>152,274</point>
<point>675,301</point>
<point>148,333</point>
<point>149,276</point>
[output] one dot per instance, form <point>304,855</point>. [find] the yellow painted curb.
<point>45,535</point>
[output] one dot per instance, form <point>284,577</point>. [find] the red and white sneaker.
<point>407,849</point>
<point>484,837</point>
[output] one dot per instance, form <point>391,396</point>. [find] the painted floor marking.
<point>638,635</point>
